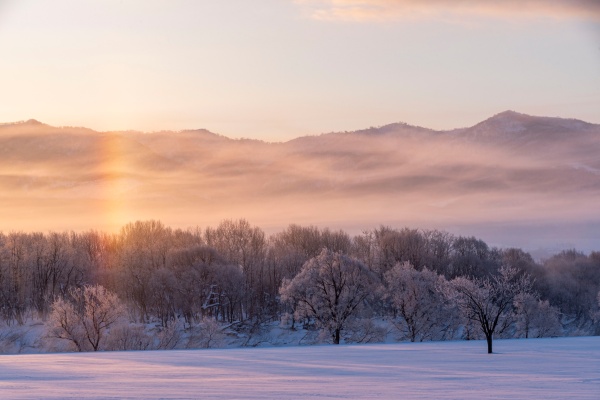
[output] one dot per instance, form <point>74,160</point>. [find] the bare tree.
<point>489,302</point>
<point>570,280</point>
<point>194,269</point>
<point>232,291</point>
<point>438,251</point>
<point>208,334</point>
<point>397,246</point>
<point>330,288</point>
<point>85,318</point>
<point>164,288</point>
<point>473,257</point>
<point>15,281</point>
<point>125,337</point>
<point>596,315</point>
<point>245,246</point>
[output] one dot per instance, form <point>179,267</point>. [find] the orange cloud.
<point>388,10</point>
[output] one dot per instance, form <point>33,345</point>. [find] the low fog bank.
<point>512,180</point>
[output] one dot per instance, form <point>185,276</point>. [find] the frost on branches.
<point>330,288</point>
<point>421,311</point>
<point>489,302</point>
<point>85,317</point>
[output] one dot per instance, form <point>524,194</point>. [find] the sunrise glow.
<point>291,199</point>
<point>275,70</point>
<point>113,186</point>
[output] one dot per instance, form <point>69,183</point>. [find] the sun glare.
<point>114,183</point>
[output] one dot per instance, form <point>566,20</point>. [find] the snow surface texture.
<point>563,368</point>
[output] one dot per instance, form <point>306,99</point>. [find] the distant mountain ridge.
<point>505,171</point>
<point>504,122</point>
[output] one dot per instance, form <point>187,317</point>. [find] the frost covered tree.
<point>420,307</point>
<point>330,288</point>
<point>207,334</point>
<point>535,317</point>
<point>85,317</point>
<point>489,302</point>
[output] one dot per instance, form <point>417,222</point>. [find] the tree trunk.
<point>336,336</point>
<point>489,343</point>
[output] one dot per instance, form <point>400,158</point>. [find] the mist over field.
<point>513,180</point>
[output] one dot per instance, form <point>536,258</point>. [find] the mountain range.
<point>513,179</point>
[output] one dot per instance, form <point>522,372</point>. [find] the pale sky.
<point>278,69</point>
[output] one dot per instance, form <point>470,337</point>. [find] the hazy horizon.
<point>34,120</point>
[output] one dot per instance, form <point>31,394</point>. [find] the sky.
<point>278,69</point>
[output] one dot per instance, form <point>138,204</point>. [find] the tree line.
<point>428,284</point>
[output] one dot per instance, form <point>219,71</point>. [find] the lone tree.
<point>330,288</point>
<point>85,318</point>
<point>489,302</point>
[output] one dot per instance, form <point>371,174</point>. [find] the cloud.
<point>390,10</point>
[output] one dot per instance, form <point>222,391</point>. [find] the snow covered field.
<point>563,368</point>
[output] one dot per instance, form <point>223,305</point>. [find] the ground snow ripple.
<point>561,368</point>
